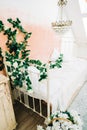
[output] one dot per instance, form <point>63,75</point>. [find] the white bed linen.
<point>63,83</point>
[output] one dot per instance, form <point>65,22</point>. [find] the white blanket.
<point>63,83</point>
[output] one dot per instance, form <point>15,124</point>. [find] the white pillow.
<point>54,56</point>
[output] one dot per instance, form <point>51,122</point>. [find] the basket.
<point>55,119</point>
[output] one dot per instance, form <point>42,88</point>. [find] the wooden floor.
<point>26,119</point>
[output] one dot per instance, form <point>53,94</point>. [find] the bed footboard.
<point>37,105</point>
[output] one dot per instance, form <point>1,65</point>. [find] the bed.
<point>58,90</point>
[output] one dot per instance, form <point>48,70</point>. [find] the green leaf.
<point>28,35</point>
<point>1,26</point>
<point>1,60</point>
<point>18,21</point>
<point>43,76</point>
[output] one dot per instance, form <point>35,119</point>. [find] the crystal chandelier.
<point>61,25</point>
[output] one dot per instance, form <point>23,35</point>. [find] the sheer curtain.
<point>67,44</point>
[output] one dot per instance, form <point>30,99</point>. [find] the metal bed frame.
<point>23,96</point>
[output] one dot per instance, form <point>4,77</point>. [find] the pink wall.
<point>42,42</point>
<point>43,39</point>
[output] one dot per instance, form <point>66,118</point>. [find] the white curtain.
<point>67,44</point>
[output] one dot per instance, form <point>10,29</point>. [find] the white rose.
<point>47,121</point>
<point>22,69</point>
<point>6,27</point>
<point>39,127</point>
<point>56,125</point>
<point>12,77</point>
<point>9,73</point>
<point>48,128</point>
<point>62,115</point>
<point>8,63</point>
<point>15,65</point>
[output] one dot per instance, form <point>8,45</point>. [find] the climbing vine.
<point>1,60</point>
<point>17,56</point>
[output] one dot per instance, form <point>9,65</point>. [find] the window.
<point>83,8</point>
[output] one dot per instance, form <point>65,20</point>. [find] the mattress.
<point>63,83</point>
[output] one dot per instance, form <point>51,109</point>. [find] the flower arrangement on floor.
<point>68,120</point>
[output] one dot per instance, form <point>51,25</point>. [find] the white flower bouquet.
<point>68,120</point>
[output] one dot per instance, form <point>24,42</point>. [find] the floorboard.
<point>26,118</point>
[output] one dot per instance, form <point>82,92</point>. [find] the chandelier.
<point>61,25</point>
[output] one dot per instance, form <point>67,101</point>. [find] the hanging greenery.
<point>1,60</point>
<point>57,63</point>
<point>1,57</point>
<point>41,67</point>
<point>17,56</point>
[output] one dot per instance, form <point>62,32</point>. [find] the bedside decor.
<point>67,120</point>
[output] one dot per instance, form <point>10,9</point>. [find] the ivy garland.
<point>1,56</point>
<point>17,56</point>
<point>1,60</point>
<point>57,63</point>
<point>43,67</point>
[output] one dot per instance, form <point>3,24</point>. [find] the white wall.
<point>36,11</point>
<point>36,16</point>
<point>44,12</point>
